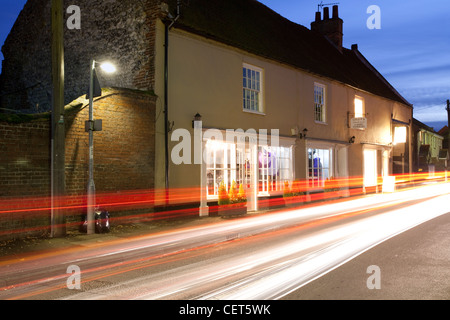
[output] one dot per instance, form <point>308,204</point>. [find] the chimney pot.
<point>330,28</point>
<point>335,12</point>
<point>326,13</point>
<point>318,16</point>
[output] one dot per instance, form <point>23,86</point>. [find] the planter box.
<point>291,202</point>
<point>332,194</point>
<point>237,209</point>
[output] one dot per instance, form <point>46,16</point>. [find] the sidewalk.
<point>34,244</point>
<point>29,245</point>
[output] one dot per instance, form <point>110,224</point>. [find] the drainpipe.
<point>166,106</point>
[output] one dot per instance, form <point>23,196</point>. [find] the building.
<point>427,148</point>
<point>444,133</point>
<point>309,108</point>
<point>240,65</point>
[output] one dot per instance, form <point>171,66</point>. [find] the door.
<point>370,167</point>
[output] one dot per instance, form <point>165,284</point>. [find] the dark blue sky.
<point>411,50</point>
<point>9,10</point>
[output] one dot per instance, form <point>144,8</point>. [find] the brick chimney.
<point>329,27</point>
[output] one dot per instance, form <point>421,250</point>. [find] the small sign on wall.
<point>358,123</point>
<point>95,125</point>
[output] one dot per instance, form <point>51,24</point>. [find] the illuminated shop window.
<point>319,166</point>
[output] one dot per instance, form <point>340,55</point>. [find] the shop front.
<point>249,161</point>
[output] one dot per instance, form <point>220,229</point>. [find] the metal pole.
<point>58,220</point>
<point>448,125</point>
<point>91,185</point>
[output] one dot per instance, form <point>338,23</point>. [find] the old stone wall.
<point>119,31</point>
<point>123,163</point>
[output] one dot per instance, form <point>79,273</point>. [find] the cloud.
<point>426,97</point>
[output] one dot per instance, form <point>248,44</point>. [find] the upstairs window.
<point>252,89</point>
<point>359,107</point>
<point>319,103</point>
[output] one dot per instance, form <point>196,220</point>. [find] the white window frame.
<point>318,181</point>
<point>253,95</point>
<point>271,178</point>
<point>320,103</point>
<point>227,170</point>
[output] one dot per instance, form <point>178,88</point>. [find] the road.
<point>268,256</point>
<point>414,265</point>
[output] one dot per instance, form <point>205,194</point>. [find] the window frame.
<point>315,174</point>
<point>322,118</point>
<point>271,179</point>
<point>259,90</point>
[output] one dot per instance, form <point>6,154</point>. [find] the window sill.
<point>321,122</point>
<point>254,112</point>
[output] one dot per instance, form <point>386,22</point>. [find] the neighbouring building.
<point>236,65</point>
<point>444,133</point>
<point>428,147</point>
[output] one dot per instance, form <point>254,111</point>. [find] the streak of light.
<point>354,240</point>
<point>274,221</point>
<point>144,202</point>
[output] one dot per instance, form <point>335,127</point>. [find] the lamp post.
<point>92,126</point>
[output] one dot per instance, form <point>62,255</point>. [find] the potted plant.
<point>233,202</point>
<point>331,189</point>
<point>292,195</point>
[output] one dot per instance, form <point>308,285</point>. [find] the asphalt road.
<point>414,265</point>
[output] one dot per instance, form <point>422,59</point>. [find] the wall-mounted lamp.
<point>352,139</point>
<point>303,135</point>
<point>197,117</point>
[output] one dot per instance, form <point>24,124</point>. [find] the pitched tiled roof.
<point>443,131</point>
<point>422,125</point>
<point>253,27</point>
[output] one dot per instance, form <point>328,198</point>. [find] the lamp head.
<point>108,67</point>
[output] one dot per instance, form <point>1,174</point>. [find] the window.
<point>252,88</point>
<point>319,103</point>
<point>274,168</point>
<point>221,165</point>
<point>359,107</point>
<point>227,162</point>
<point>319,166</point>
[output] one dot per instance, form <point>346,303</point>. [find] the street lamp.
<point>92,126</point>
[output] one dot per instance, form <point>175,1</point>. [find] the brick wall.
<point>123,162</point>
<point>120,31</point>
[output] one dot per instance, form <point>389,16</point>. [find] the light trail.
<point>129,201</point>
<point>266,269</point>
<point>349,242</point>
